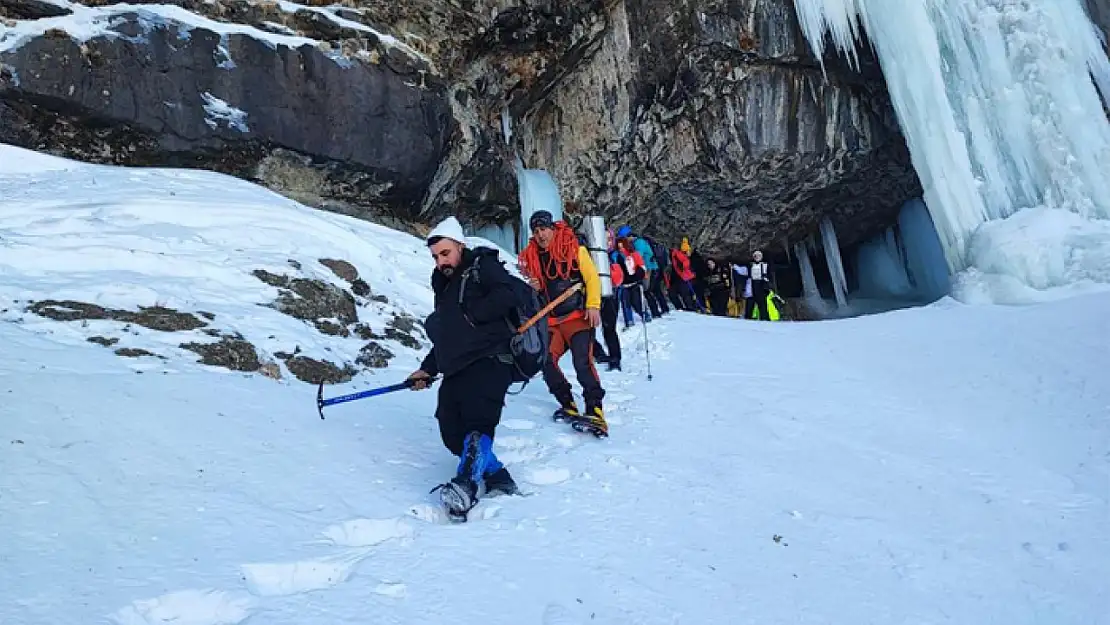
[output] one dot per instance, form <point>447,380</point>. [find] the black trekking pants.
<point>718,303</point>
<point>471,400</point>
<point>759,300</point>
<point>656,300</point>
<point>609,310</point>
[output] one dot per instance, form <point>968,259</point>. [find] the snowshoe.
<point>592,423</point>
<point>614,365</point>
<point>566,414</point>
<point>501,483</point>
<point>459,496</point>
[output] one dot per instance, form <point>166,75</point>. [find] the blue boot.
<point>462,493</point>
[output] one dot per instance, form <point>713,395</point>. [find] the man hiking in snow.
<point>554,262</point>
<point>470,348</point>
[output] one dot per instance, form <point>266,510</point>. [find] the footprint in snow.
<point>367,532</point>
<point>555,614</point>
<point>391,589</point>
<point>187,607</point>
<point>548,476</point>
<point>513,449</point>
<point>275,579</point>
<point>518,424</point>
<point>279,579</point>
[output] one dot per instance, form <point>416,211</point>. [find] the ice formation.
<point>1000,104</point>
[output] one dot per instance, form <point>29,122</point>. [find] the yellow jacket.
<point>590,278</point>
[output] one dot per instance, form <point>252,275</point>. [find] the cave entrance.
<point>900,267</point>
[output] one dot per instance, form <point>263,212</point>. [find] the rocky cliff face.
<point>706,118</point>
<point>710,118</point>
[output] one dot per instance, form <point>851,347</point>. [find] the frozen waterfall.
<point>1000,104</point>
<point>536,189</point>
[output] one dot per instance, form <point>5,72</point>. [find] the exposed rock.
<point>1099,11</point>
<point>231,352</point>
<point>153,317</point>
<point>315,371</point>
<point>134,352</point>
<point>271,370</point>
<point>370,134</point>
<point>707,118</point>
<point>400,329</point>
<point>364,332</point>
<point>374,355</point>
<point>360,287</point>
<point>403,338</point>
<point>722,128</point>
<point>341,268</point>
<point>31,9</point>
<point>311,300</point>
<point>346,271</point>
<point>102,340</point>
<point>331,328</point>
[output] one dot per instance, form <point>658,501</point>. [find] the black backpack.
<point>662,254</point>
<point>529,348</point>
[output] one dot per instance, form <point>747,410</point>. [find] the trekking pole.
<point>321,402</point>
<point>647,346</point>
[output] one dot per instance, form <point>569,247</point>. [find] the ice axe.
<point>382,390</point>
<point>549,307</point>
<point>321,402</point>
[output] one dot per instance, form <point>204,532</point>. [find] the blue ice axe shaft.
<point>321,402</point>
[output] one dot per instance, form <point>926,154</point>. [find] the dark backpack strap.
<point>471,273</point>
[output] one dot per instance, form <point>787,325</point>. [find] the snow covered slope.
<point>945,464</point>
<point>197,243</point>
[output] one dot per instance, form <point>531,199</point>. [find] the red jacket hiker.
<point>681,263</point>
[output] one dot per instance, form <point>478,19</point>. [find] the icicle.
<point>506,126</point>
<point>809,278</point>
<point>924,255</point>
<point>538,191</point>
<point>997,100</point>
<point>881,269</point>
<point>836,267</point>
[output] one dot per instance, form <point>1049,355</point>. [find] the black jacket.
<point>476,329</point>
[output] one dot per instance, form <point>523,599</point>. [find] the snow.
<point>330,13</point>
<point>998,104</point>
<point>1036,255</point>
<point>89,22</point>
<point>939,464</point>
<point>188,240</point>
<point>219,111</point>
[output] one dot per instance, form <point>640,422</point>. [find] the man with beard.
<point>474,296</point>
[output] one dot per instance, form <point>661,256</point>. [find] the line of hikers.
<point>477,349</point>
<point>686,279</point>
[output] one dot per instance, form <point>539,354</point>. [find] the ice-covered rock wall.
<point>1000,104</point>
